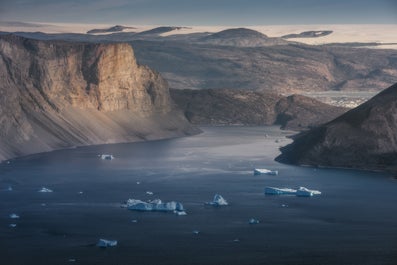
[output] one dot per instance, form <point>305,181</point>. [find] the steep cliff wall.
<point>56,94</point>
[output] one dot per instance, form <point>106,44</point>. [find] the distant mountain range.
<point>308,34</point>
<point>364,137</point>
<point>117,28</point>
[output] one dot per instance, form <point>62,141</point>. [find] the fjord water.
<point>354,221</point>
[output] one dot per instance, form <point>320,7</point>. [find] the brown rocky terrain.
<point>364,137</point>
<point>243,107</point>
<point>56,95</point>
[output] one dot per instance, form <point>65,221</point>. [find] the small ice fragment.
<point>44,190</point>
<point>218,201</point>
<point>253,221</point>
<point>8,162</point>
<point>264,171</point>
<point>134,221</point>
<point>9,188</point>
<point>71,260</point>
<point>104,243</point>
<point>107,157</point>
<point>13,225</point>
<point>149,193</point>
<point>304,192</point>
<point>14,216</point>
<point>284,205</point>
<point>43,204</point>
<point>138,182</point>
<point>236,240</point>
<point>196,232</point>
<point>80,192</point>
<point>180,213</point>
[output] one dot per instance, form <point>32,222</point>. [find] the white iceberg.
<point>180,213</point>
<point>44,190</point>
<point>301,192</point>
<point>107,157</point>
<point>264,171</point>
<point>304,192</point>
<point>279,191</point>
<point>253,221</point>
<point>218,201</point>
<point>154,205</point>
<point>14,216</point>
<point>103,243</point>
<point>149,193</point>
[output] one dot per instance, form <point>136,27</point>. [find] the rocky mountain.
<point>242,107</point>
<point>364,137</point>
<point>241,37</point>
<point>56,94</point>
<point>308,34</point>
<point>117,28</point>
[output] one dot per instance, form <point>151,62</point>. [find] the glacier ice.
<point>301,192</point>
<point>218,201</point>
<point>264,171</point>
<point>155,205</point>
<point>107,157</point>
<point>44,190</point>
<point>103,243</point>
<point>279,191</point>
<point>304,192</point>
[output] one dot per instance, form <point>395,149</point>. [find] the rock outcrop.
<point>364,137</point>
<point>243,107</point>
<point>57,94</point>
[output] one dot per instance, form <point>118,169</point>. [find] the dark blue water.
<point>354,221</point>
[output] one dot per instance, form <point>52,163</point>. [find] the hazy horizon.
<point>205,12</point>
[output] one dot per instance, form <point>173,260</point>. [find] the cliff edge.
<point>57,94</point>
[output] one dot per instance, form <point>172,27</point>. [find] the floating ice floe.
<point>279,191</point>
<point>253,221</point>
<point>13,225</point>
<point>104,243</point>
<point>149,192</point>
<point>304,192</point>
<point>44,190</point>
<point>107,157</point>
<point>218,201</point>
<point>301,192</point>
<point>14,216</point>
<point>196,232</point>
<point>264,171</point>
<point>155,205</point>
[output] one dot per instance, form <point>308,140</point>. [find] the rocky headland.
<point>56,94</point>
<point>364,137</point>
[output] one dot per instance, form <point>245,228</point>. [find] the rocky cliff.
<point>364,137</point>
<point>243,107</point>
<point>56,94</point>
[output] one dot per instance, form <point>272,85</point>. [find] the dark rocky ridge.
<point>55,95</point>
<point>242,107</point>
<point>308,34</point>
<point>364,137</point>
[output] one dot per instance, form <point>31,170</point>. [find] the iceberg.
<point>253,221</point>
<point>104,243</point>
<point>279,191</point>
<point>155,205</point>
<point>218,201</point>
<point>44,190</point>
<point>304,192</point>
<point>301,192</point>
<point>264,171</point>
<point>107,157</point>
<point>14,216</point>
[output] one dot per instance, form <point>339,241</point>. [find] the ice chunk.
<point>253,221</point>
<point>154,205</point>
<point>104,243</point>
<point>44,190</point>
<point>264,171</point>
<point>304,192</point>
<point>218,201</point>
<point>134,221</point>
<point>107,157</point>
<point>149,192</point>
<point>180,213</point>
<point>14,216</point>
<point>9,188</point>
<point>279,191</point>
<point>13,225</point>
<point>196,232</point>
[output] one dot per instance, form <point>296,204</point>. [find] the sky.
<point>201,12</point>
